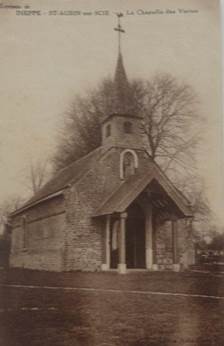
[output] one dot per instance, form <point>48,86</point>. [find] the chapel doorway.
<point>135,238</point>
<point>114,243</point>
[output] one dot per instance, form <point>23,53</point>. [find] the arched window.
<point>108,130</point>
<point>128,163</point>
<point>127,127</point>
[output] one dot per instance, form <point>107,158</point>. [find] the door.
<point>135,239</point>
<point>114,244</point>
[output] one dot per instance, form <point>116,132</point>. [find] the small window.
<point>108,130</point>
<point>129,167</point>
<point>127,127</point>
<point>128,163</point>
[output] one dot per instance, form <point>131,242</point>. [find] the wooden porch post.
<point>106,265</point>
<point>149,239</point>
<point>122,244</point>
<point>176,265</point>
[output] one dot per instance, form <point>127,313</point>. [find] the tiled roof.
<point>131,188</point>
<point>126,193</point>
<point>68,175</point>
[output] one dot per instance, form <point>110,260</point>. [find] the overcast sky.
<point>46,59</point>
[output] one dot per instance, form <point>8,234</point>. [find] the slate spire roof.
<point>120,77</point>
<point>121,87</point>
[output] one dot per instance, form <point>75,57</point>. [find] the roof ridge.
<point>118,188</point>
<point>141,179</point>
<point>78,160</point>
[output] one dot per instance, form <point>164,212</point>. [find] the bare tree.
<point>81,128</point>
<point>170,122</point>
<point>7,206</point>
<point>170,117</point>
<point>37,175</point>
<point>204,220</point>
<point>10,204</point>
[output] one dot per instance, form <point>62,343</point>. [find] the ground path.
<point>97,309</point>
<point>88,289</point>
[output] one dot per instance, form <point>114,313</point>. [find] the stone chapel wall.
<point>39,243</point>
<point>163,244</point>
<point>85,234</point>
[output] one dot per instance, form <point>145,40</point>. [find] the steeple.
<point>120,77</point>
<point>121,84</point>
<point>122,129</point>
<point>121,87</point>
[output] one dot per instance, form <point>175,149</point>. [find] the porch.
<point>137,218</point>
<point>131,241</point>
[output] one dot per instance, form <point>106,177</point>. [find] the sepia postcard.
<point>111,166</point>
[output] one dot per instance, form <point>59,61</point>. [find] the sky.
<point>49,57</point>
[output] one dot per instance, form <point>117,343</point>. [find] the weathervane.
<point>119,30</point>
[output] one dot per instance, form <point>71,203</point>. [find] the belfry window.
<point>127,127</point>
<point>108,130</point>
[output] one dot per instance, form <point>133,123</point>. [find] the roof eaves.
<point>43,199</point>
<point>141,184</point>
<point>181,201</point>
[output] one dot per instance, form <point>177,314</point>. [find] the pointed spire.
<point>120,77</point>
<point>121,84</point>
<point>121,87</point>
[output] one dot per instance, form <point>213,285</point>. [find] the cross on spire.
<point>120,30</point>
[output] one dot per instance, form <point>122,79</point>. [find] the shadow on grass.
<point>114,319</point>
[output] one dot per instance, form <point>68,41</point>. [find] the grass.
<point>96,318</point>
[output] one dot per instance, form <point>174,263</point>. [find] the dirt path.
<point>101,290</point>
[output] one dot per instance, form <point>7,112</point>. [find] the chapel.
<point>113,209</point>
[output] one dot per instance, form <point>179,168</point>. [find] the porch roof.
<point>130,189</point>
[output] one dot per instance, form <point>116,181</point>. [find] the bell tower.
<point>122,129</point>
